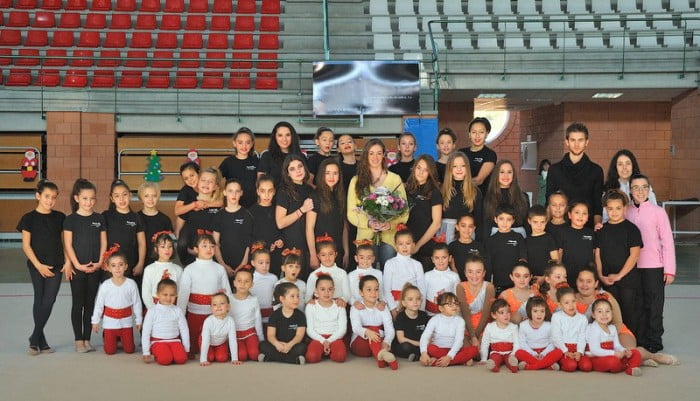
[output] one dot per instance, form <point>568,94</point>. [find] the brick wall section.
<point>685,165</point>
<point>81,145</point>
<point>456,115</point>
<point>545,125</point>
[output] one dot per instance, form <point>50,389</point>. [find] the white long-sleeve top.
<point>263,286</point>
<point>165,322</point>
<point>322,320</point>
<point>444,332</point>
<point>438,282</point>
<point>595,336</point>
<point>340,282</point>
<point>152,275</point>
<point>535,338</point>
<point>494,334</point>
<point>118,297</point>
<point>359,318</point>
<point>246,314</point>
<point>217,331</point>
<point>204,277</point>
<point>398,271</point>
<point>354,278</point>
<point>301,285</point>
<point>569,330</point>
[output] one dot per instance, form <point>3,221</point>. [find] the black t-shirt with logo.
<point>503,250</point>
<point>45,230</point>
<point>412,328</point>
<point>538,249</point>
<point>122,229</point>
<point>236,234</point>
<point>246,172</point>
<point>577,245</point>
<point>286,327</point>
<point>614,242</point>
<point>86,235</point>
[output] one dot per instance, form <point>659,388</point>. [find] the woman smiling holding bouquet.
<point>372,178</point>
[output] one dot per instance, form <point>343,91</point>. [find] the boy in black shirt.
<point>504,249</point>
<point>541,246</point>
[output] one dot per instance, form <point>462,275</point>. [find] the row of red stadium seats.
<point>195,6</point>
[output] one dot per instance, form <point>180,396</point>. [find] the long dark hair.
<point>494,198</point>
<point>287,183</point>
<point>81,184</point>
<point>364,175</point>
<point>612,181</point>
<point>412,185</point>
<point>274,148</point>
<point>327,196</point>
<point>116,184</point>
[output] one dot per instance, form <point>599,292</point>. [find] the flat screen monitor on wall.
<point>342,88</point>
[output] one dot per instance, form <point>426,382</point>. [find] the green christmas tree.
<point>153,173</point>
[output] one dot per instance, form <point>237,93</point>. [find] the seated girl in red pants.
<point>245,310</point>
<point>372,329</point>
<point>326,324</point>
<point>441,344</point>
<point>218,340</point>
<point>569,332</point>
<point>165,335</point>
<point>605,350</point>
<point>536,348</point>
<point>500,340</point>
<point>117,303</point>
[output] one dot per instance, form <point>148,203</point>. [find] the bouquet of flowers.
<point>383,205</point>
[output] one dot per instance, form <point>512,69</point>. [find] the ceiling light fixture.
<point>603,95</point>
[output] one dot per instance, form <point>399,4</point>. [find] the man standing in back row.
<point>576,175</point>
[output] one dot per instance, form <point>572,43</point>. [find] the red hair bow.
<point>602,295</point>
<point>155,236</point>
<point>109,252</point>
<point>440,239</point>
<point>256,247</point>
<point>360,242</point>
<point>562,285</point>
<point>201,231</point>
<point>293,251</point>
<point>324,238</point>
<point>401,227</point>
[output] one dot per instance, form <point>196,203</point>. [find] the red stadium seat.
<point>267,65</point>
<point>37,38</point>
<point>266,83</point>
<point>115,40</point>
<point>246,7</point>
<point>25,4</point>
<point>55,58</point>
<point>186,80</point>
<point>19,77</point>
<point>269,42</point>
<point>189,60</point>
<point>89,39</point>
<point>75,79</point>
<point>27,57</point>
<point>5,3</point>
<point>220,23</point>
<point>158,80</point>
<point>19,19</point>
<point>82,58</point>
<point>239,80</point>
<point>270,7</point>
<point>2,19</point>
<point>215,60</point>
<point>146,21</point>
<point>213,80</point>
<point>62,39</point>
<point>10,37</point>
<point>196,23</point>
<point>121,21</point>
<point>136,59</point>
<point>192,41</point>
<point>166,41</point>
<point>76,4</point>
<point>131,79</point>
<point>171,22</point>
<point>223,6</point>
<point>102,79</point>
<point>141,40</point>
<point>96,21</point>
<point>174,6</point>
<point>101,5</point>
<point>44,19</point>
<point>5,56</point>
<point>48,78</point>
<point>242,63</point>
<point>198,6</point>
<point>149,6</point>
<point>217,41</point>
<point>243,41</point>
<point>125,5</point>
<point>109,58</point>
<point>163,59</point>
<point>269,23</point>
<point>52,4</point>
<point>245,23</point>
<point>69,20</point>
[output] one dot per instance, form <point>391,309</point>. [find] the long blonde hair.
<point>469,190</point>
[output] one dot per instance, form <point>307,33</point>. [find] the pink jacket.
<point>658,249</point>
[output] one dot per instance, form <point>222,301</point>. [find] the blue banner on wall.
<point>425,130</point>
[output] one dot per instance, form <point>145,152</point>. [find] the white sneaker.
<point>261,357</point>
<point>301,359</point>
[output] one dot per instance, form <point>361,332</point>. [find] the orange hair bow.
<point>602,295</point>
<point>361,242</point>
<point>293,251</point>
<point>201,231</point>
<point>324,238</point>
<point>109,252</point>
<point>155,236</point>
<point>256,247</point>
<point>440,239</point>
<point>401,227</point>
<point>562,285</point>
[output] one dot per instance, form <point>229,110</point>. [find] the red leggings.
<point>364,348</point>
<point>500,359</point>
<point>218,353</point>
<point>570,365</point>
<point>614,365</point>
<point>167,352</point>
<point>195,323</point>
<point>125,335</point>
<point>536,364</point>
<point>314,352</point>
<point>248,348</point>
<point>462,357</point>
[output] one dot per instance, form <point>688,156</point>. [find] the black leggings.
<point>403,350</point>
<point>45,291</point>
<point>272,355</point>
<point>83,289</point>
